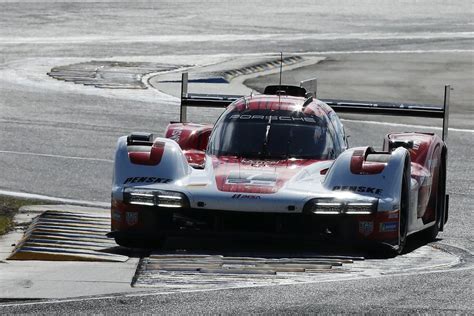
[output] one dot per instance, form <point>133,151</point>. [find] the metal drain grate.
<point>64,236</point>
<point>188,271</point>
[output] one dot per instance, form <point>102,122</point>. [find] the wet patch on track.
<point>67,236</point>
<point>109,74</point>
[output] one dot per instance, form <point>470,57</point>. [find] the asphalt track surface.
<point>58,138</point>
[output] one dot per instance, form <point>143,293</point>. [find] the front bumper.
<point>152,221</point>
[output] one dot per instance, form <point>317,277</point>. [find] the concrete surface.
<point>36,279</point>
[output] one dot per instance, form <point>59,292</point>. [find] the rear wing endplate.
<point>340,106</point>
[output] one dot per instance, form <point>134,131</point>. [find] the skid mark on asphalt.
<point>178,272</point>
<point>67,236</point>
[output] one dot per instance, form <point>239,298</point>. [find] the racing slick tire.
<point>431,233</point>
<point>404,209</point>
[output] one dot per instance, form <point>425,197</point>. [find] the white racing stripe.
<point>54,156</point>
<point>451,129</point>
<point>47,198</point>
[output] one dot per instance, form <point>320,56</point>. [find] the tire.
<point>404,208</point>
<point>431,233</point>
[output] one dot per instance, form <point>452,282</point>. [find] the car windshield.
<point>260,135</point>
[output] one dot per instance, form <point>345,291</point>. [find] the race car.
<point>277,164</point>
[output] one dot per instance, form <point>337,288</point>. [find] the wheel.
<point>430,233</point>
<point>404,208</point>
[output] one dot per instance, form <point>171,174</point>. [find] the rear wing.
<point>340,106</point>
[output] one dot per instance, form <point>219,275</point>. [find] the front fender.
<point>356,172</point>
<point>172,166</point>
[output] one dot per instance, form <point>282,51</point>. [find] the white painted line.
<point>337,52</point>
<point>451,129</point>
<point>53,156</point>
<point>234,37</point>
<point>47,198</point>
<point>414,51</point>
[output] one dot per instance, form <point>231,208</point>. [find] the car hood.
<point>263,176</point>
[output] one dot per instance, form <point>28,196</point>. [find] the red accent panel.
<point>189,135</point>
<point>372,167</point>
<point>275,173</point>
<point>196,158</point>
<point>119,212</point>
<point>370,226</point>
<point>360,166</point>
<point>357,161</point>
<point>151,158</point>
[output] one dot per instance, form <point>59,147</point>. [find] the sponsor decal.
<point>360,189</point>
<point>146,180</point>
<point>366,228</point>
<point>393,215</point>
<point>260,163</point>
<point>116,216</point>
<point>305,119</point>
<point>176,135</point>
<point>388,227</point>
<point>251,178</point>
<point>131,218</point>
<point>246,196</point>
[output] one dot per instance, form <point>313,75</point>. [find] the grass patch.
<point>9,206</point>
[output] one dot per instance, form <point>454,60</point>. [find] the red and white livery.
<point>278,164</point>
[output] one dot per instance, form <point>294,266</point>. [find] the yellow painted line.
<point>59,236</point>
<point>105,215</point>
<point>67,243</point>
<point>68,234</point>
<point>91,231</point>
<point>52,256</point>
<point>61,246</point>
<point>73,223</point>
<point>74,220</point>
<point>68,238</point>
<point>75,217</point>
<point>65,230</point>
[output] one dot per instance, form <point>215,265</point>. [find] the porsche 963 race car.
<point>278,164</point>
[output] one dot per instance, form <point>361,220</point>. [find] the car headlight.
<point>150,197</point>
<point>337,206</point>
